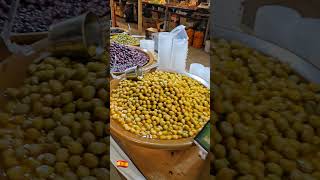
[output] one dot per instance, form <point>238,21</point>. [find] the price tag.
<point>202,140</point>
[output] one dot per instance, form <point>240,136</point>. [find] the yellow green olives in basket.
<point>163,105</point>
<point>266,117</point>
<point>54,125</point>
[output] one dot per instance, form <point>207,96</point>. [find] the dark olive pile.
<point>124,57</point>
<point>55,126</point>
<point>266,119</point>
<point>4,11</point>
<point>38,15</point>
<point>115,30</point>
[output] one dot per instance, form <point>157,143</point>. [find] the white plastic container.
<point>196,69</point>
<point>200,70</point>
<point>173,49</point>
<point>147,44</point>
<point>164,50</point>
<point>179,55</point>
<point>206,74</point>
<point>179,49</point>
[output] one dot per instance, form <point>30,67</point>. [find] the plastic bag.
<point>179,51</point>
<point>179,32</point>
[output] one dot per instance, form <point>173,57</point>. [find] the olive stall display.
<point>124,57</point>
<point>163,105</point>
<point>266,117</point>
<point>38,15</point>
<point>55,126</point>
<point>125,39</point>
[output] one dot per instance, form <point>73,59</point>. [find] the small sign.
<point>202,140</point>
<point>122,163</point>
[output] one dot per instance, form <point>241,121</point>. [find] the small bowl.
<point>120,133</point>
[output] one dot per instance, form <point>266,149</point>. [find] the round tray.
<point>150,55</point>
<point>118,131</point>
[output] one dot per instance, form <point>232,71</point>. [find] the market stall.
<point>149,77</point>
<point>164,15</point>
<point>54,98</point>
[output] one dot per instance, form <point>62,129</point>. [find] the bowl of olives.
<point>164,110</point>
<point>123,57</point>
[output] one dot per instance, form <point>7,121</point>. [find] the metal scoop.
<point>78,36</point>
<point>134,73</point>
<point>11,47</point>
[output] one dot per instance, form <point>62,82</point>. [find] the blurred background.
<point>291,24</point>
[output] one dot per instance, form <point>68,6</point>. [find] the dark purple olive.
<point>123,57</point>
<point>40,14</point>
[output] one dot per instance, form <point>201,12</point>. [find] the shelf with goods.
<point>166,16</point>
<point>190,16</point>
<point>154,2</point>
<point>195,19</point>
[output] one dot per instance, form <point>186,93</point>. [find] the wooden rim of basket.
<point>151,58</point>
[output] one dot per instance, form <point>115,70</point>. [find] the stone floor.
<point>198,56</point>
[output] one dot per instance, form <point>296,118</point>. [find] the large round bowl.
<point>151,58</point>
<point>119,132</point>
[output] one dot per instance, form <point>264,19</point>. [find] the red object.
<point>190,33</point>
<point>122,163</point>
<point>198,39</point>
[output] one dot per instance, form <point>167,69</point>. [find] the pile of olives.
<point>123,57</point>
<point>116,30</point>
<point>125,39</point>
<point>162,105</point>
<point>266,118</point>
<point>55,126</point>
<point>38,15</point>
